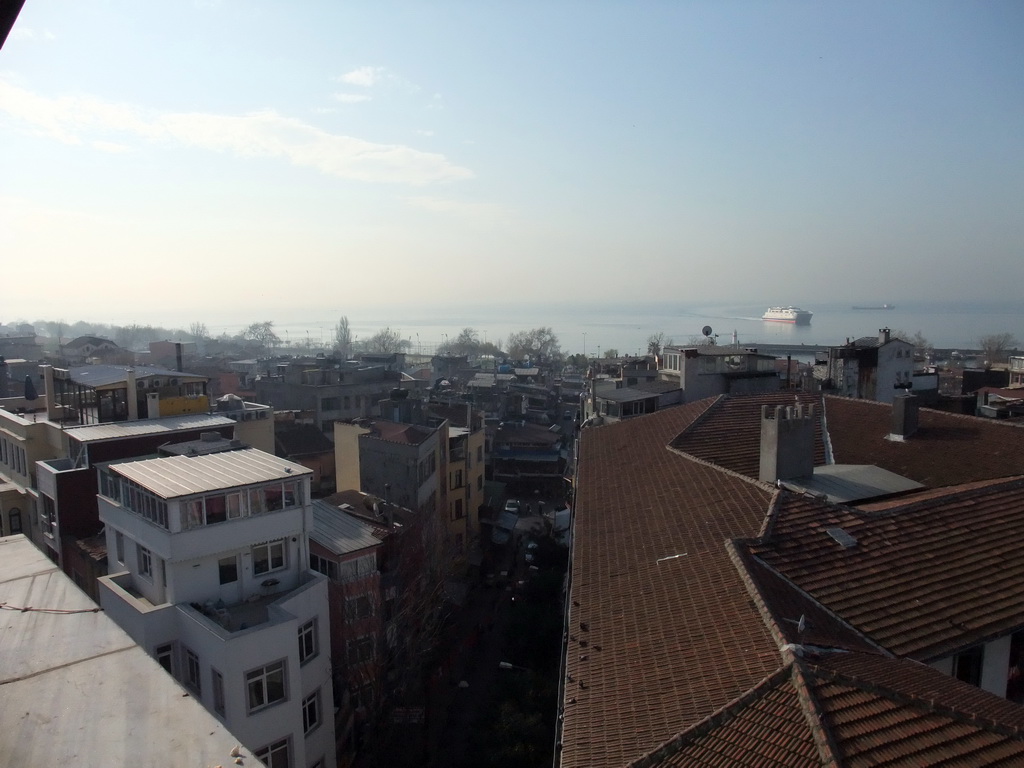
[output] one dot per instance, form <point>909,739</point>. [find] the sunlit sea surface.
<point>626,327</point>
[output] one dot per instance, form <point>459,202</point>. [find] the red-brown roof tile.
<point>655,596</point>
<point>947,449</point>
<point>924,579</point>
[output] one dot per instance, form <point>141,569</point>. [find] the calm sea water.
<point>626,327</point>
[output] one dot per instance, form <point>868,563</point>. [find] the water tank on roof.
<point>504,369</point>
<point>230,402</point>
<point>399,394</point>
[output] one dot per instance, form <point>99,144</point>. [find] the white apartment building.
<point>208,558</point>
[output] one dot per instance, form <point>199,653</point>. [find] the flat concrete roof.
<point>847,483</point>
<point>78,691</point>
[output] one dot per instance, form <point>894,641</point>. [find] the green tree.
<point>343,339</point>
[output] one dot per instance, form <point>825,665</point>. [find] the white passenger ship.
<point>788,315</point>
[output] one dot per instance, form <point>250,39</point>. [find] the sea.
<point>595,328</point>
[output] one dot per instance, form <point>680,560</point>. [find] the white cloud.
<point>266,134</point>
<point>482,212</point>
<point>112,147</point>
<point>424,133</point>
<point>366,77</point>
<point>351,98</point>
<point>27,33</point>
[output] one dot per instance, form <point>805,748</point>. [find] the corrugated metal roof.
<point>105,375</point>
<point>176,476</point>
<point>339,531</point>
<point>77,690</point>
<point>170,424</point>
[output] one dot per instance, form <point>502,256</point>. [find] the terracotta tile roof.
<point>883,711</point>
<point>729,434</point>
<point>924,580</point>
<point>853,710</point>
<point>765,727</point>
<point>680,620</point>
<point>947,449</point>
<point>656,602</point>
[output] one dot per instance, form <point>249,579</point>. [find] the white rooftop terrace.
<point>77,690</point>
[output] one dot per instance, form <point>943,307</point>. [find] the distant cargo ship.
<point>788,315</point>
<point>883,306</point>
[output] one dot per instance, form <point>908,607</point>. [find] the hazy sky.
<point>166,162</point>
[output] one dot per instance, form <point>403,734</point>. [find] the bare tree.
<point>198,331</point>
<point>263,334</point>
<point>386,340</point>
<point>610,353</point>
<point>534,343</point>
<point>656,342</point>
<point>996,347</point>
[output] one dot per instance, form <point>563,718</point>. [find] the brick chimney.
<point>904,416</point>
<point>787,442</point>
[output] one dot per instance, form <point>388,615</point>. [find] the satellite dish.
<point>706,330</point>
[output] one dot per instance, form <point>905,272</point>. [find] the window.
<point>479,482</point>
<point>968,664</point>
<point>479,454</point>
<point>307,641</point>
<point>218,692</point>
<point>48,517</point>
<point>165,657</point>
<point>145,562</point>
<point>311,711</point>
<point>328,568</point>
<point>275,755</point>
<point>228,569</point>
<point>119,546</point>
<point>192,671</point>
<point>268,557</point>
<point>266,686</point>
<point>358,608</point>
<point>360,650</point>
<point>457,515</point>
<point>457,479</point>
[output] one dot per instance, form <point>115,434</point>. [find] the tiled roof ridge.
<point>957,416</point>
<point>738,555</point>
<point>713,406</point>
<point>821,734</point>
<point>768,525</point>
<point>989,487</point>
<point>717,718</point>
<point>931,706</point>
<point>724,470</point>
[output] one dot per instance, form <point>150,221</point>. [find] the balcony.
<point>259,610</point>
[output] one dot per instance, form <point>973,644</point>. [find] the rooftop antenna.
<point>709,334</point>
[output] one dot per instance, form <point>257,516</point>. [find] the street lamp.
<point>584,344</point>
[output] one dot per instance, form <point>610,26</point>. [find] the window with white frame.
<point>119,546</point>
<point>308,642</point>
<point>218,692</point>
<point>193,672</point>
<point>328,568</point>
<point>275,755</point>
<point>311,711</point>
<point>266,686</point>
<point>165,657</point>
<point>145,558</point>
<point>268,557</point>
